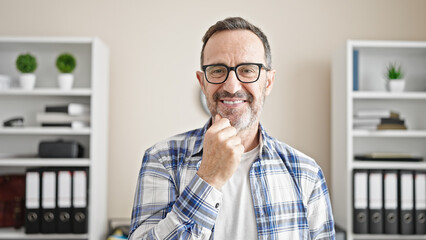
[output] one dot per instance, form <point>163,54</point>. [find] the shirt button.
<point>217,205</point>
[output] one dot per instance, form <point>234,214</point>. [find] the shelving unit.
<point>374,56</point>
<point>18,145</point>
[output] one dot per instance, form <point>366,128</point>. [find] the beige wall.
<point>155,49</point>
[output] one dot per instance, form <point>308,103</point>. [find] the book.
<point>367,121</point>
<point>71,108</point>
<point>391,127</point>
<point>365,127</point>
<point>57,117</point>
<point>376,113</point>
<point>388,156</point>
<point>73,124</point>
<point>355,71</point>
<point>392,121</point>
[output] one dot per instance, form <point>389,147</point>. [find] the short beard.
<point>247,119</point>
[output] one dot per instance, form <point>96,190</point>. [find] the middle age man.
<point>230,179</point>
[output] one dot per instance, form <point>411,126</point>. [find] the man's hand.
<point>222,150</point>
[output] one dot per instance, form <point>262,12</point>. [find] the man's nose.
<point>232,84</point>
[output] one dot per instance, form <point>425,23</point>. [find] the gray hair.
<point>238,23</point>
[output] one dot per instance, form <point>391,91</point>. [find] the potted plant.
<point>26,64</point>
<point>66,64</point>
<point>395,77</point>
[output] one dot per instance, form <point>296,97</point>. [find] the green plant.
<point>26,63</point>
<point>394,72</point>
<point>65,63</point>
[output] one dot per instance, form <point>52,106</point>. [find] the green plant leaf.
<point>26,63</point>
<point>66,63</point>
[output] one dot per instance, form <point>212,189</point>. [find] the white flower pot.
<point>65,81</point>
<point>396,85</point>
<point>27,81</point>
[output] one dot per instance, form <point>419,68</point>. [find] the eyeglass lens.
<point>245,73</point>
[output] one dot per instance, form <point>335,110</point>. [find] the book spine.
<point>392,121</point>
<point>355,71</point>
<point>57,109</point>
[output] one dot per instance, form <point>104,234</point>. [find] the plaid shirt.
<point>289,192</point>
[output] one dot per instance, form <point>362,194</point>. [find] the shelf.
<point>44,162</point>
<point>388,165</point>
<point>44,131</point>
<point>389,95</point>
<point>388,236</point>
<point>11,233</point>
<point>47,92</point>
<point>390,133</point>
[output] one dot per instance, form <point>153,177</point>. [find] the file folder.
<point>64,202</point>
<point>390,193</point>
<point>360,201</point>
<point>420,202</point>
<point>48,201</point>
<point>406,195</point>
<point>375,201</point>
<point>32,201</point>
<point>79,201</point>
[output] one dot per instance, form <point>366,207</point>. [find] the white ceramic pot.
<point>396,85</point>
<point>27,81</point>
<point>65,81</point>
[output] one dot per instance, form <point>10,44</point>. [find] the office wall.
<point>155,49</point>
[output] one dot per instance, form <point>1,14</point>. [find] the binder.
<point>420,202</point>
<point>375,202</point>
<point>360,201</point>
<point>64,202</point>
<point>32,201</point>
<point>406,196</point>
<point>79,201</point>
<point>390,194</point>
<point>48,201</point>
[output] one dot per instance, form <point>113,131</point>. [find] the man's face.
<point>240,102</point>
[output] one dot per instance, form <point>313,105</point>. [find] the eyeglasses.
<point>245,72</point>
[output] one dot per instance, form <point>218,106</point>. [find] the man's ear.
<point>200,77</point>
<point>270,78</point>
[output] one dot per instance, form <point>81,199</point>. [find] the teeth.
<point>233,102</point>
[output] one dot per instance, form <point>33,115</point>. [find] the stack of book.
<point>388,156</point>
<point>378,119</point>
<point>74,115</point>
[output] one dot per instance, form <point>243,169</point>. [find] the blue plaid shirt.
<point>289,193</point>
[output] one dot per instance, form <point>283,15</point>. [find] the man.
<point>229,179</point>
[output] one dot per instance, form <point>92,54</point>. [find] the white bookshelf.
<point>374,56</point>
<point>19,145</point>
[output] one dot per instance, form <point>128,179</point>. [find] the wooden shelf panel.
<point>11,233</point>
<point>44,162</point>
<point>390,133</point>
<point>388,236</point>
<point>389,165</point>
<point>388,95</point>
<point>43,131</point>
<point>47,92</point>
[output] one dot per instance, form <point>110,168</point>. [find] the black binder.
<point>79,201</point>
<point>48,201</point>
<point>375,201</point>
<point>420,202</point>
<point>360,201</point>
<point>406,202</point>
<point>390,201</point>
<point>64,201</point>
<point>32,201</point>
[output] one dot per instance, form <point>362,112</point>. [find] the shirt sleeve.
<point>320,216</point>
<point>160,212</point>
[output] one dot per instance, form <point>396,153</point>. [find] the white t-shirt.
<point>236,219</point>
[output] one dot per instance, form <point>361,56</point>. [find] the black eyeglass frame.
<point>229,69</point>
